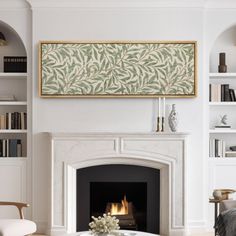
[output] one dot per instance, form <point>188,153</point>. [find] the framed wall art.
<point>117,69</point>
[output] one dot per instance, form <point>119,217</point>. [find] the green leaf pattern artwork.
<point>117,69</point>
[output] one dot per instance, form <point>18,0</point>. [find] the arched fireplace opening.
<point>131,193</point>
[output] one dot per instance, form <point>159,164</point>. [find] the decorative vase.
<point>222,68</point>
<point>173,119</point>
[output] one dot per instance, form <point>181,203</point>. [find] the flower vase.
<point>173,119</point>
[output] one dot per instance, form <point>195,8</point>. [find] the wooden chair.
<point>16,227</point>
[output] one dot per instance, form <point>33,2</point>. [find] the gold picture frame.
<point>117,69</point>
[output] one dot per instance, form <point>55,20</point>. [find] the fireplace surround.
<point>72,151</point>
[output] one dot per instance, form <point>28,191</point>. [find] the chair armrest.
<point>18,205</point>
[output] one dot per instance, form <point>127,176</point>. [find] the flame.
<point>120,208</point>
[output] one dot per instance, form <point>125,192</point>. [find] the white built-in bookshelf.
<point>14,84</point>
<point>222,137</point>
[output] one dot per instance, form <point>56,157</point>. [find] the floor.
<point>207,234</point>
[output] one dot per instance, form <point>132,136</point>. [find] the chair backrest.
<point>18,205</point>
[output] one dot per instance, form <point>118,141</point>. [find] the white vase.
<point>173,119</point>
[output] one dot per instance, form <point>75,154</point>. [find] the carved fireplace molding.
<point>72,151</point>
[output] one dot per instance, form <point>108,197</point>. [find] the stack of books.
<point>10,148</point>
<point>217,148</point>
<point>230,154</point>
<point>7,97</point>
<point>13,120</point>
<point>221,93</point>
<point>15,64</point>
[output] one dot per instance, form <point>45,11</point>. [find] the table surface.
<point>119,233</point>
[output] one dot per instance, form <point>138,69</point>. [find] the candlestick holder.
<point>162,124</point>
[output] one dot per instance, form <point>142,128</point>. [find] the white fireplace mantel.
<point>163,151</point>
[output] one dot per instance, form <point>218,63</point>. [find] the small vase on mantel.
<point>173,119</point>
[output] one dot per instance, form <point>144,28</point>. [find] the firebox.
<point>131,193</point>
<point>125,200</point>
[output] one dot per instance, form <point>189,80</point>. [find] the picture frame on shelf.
<point>117,69</point>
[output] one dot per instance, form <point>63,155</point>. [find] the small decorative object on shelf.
<point>173,119</point>
<point>3,41</point>
<point>222,194</point>
<point>222,68</point>
<point>223,123</point>
<point>232,148</point>
<point>104,225</point>
<point>161,115</point>
<point>217,194</point>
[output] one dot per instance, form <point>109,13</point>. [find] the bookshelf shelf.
<point>13,75</point>
<point>13,131</point>
<point>222,103</point>
<point>227,158</point>
<point>13,103</point>
<point>13,158</point>
<point>222,75</point>
<point>223,131</point>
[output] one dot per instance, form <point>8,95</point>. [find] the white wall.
<point>120,115</point>
<point>116,115</point>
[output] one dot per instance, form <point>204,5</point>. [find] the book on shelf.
<point>10,148</point>
<point>217,148</point>
<point>221,93</point>
<point>13,120</point>
<point>15,63</point>
<point>222,127</point>
<point>230,154</point>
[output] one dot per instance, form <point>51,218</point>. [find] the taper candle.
<point>159,107</point>
<point>164,107</point>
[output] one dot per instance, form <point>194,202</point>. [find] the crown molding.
<point>204,4</point>
<point>219,4</point>
<point>116,3</point>
<point>14,4</point>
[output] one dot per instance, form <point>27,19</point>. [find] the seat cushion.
<point>12,227</point>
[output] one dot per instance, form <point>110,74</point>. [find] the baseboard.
<point>41,227</point>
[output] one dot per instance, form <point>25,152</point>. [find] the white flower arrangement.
<point>104,224</point>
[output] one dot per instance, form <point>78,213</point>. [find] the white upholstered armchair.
<point>16,227</point>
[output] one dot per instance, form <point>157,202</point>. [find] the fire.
<point>120,208</point>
